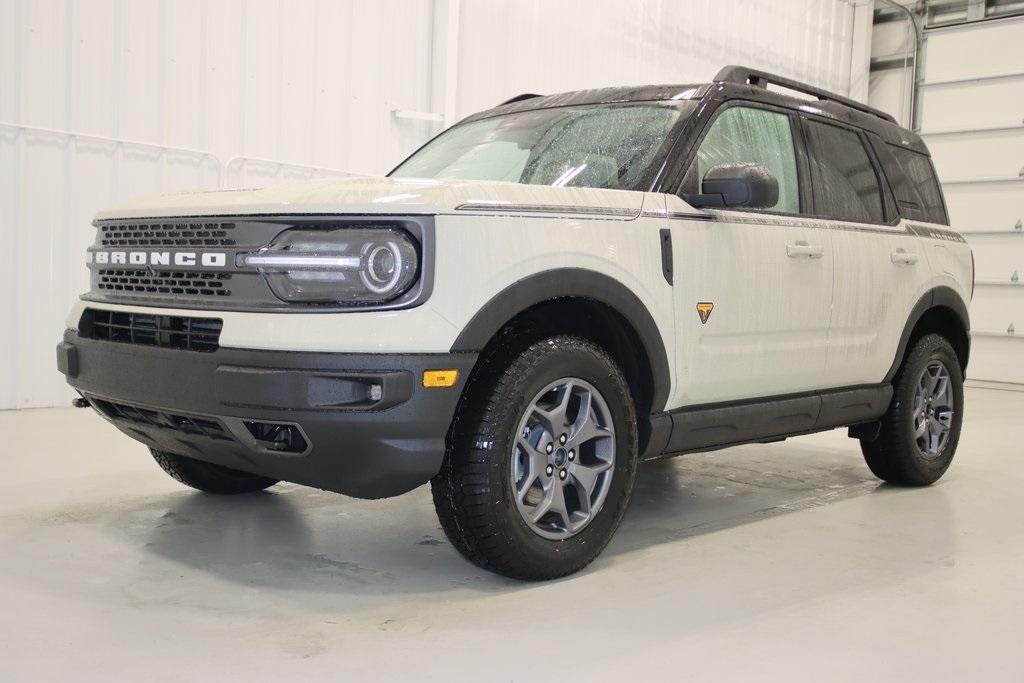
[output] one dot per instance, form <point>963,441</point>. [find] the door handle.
<point>802,248</point>
<point>903,256</point>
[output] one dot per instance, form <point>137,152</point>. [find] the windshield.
<point>606,146</point>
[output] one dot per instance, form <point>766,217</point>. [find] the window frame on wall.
<point>804,198</point>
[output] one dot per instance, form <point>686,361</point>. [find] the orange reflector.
<point>440,378</point>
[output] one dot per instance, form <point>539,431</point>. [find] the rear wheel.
<point>541,460</point>
<point>921,429</point>
<point>210,478</point>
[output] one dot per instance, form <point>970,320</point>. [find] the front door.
<point>753,289</point>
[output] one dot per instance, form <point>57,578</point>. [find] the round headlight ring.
<point>380,273</point>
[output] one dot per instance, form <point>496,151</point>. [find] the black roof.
<point>629,93</point>
<point>732,82</point>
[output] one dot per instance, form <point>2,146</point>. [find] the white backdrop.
<point>104,99</point>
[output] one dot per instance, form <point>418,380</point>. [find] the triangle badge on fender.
<point>704,309</point>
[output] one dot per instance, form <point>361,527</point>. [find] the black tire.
<point>473,492</point>
<point>209,478</point>
<point>895,456</point>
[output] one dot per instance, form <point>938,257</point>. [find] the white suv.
<point>538,299</point>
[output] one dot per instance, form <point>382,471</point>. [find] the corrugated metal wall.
<point>515,46</point>
<point>113,98</point>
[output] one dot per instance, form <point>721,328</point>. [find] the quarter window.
<point>748,135</point>
<point>845,184</point>
<point>919,169</point>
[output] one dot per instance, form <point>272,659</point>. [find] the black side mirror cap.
<point>742,185</point>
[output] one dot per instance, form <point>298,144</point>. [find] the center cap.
<point>560,457</point>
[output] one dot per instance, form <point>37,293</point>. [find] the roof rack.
<point>519,98</point>
<point>761,79</point>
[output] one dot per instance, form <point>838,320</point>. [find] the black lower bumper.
<point>366,426</point>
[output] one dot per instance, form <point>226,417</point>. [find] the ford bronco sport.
<point>538,299</point>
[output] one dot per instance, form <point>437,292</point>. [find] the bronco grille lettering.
<point>206,259</point>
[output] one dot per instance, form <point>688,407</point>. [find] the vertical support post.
<point>860,51</point>
<point>444,64</point>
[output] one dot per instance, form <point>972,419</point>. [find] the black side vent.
<point>165,331</point>
<point>196,426</point>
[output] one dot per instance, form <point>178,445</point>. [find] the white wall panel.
<point>987,206</point>
<point>992,154</point>
<point>986,104</point>
<point>973,81</point>
<point>309,82</point>
<point>892,38</point>
<point>542,46</point>
<point>980,50</point>
<point>889,90</point>
<point>279,90</point>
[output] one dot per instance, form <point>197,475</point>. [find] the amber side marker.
<point>440,378</point>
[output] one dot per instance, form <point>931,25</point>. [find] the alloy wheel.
<point>563,458</point>
<point>933,409</point>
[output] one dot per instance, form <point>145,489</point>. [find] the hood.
<point>378,195</point>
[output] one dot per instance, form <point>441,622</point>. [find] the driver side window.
<point>749,135</point>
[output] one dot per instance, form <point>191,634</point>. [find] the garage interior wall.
<point>969,113</point>
<point>106,99</point>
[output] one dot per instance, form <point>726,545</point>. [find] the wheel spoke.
<point>587,430</point>
<point>536,462</point>
<point>587,476</point>
<point>554,507</point>
<point>557,505</point>
<point>941,388</point>
<point>554,419</point>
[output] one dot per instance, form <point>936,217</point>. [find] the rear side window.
<point>845,184</point>
<point>919,169</point>
<point>747,135</point>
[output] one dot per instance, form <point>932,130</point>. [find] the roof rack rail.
<point>761,79</point>
<point>519,98</point>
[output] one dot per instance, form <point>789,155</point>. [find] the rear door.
<point>753,289</point>
<point>881,269</point>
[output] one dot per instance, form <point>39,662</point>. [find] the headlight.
<point>340,266</point>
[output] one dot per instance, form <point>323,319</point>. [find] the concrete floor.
<point>763,562</point>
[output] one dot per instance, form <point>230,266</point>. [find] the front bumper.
<point>368,427</point>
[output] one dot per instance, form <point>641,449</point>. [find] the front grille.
<point>170,282</point>
<point>187,424</point>
<point>167,234</point>
<point>165,331</point>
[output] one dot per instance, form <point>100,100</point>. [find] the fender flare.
<point>567,283</point>
<point>944,297</point>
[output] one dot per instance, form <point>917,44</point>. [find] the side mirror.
<point>749,185</point>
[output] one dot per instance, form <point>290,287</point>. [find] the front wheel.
<point>541,460</point>
<point>921,429</point>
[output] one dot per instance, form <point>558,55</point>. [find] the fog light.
<point>375,392</point>
<point>440,378</point>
